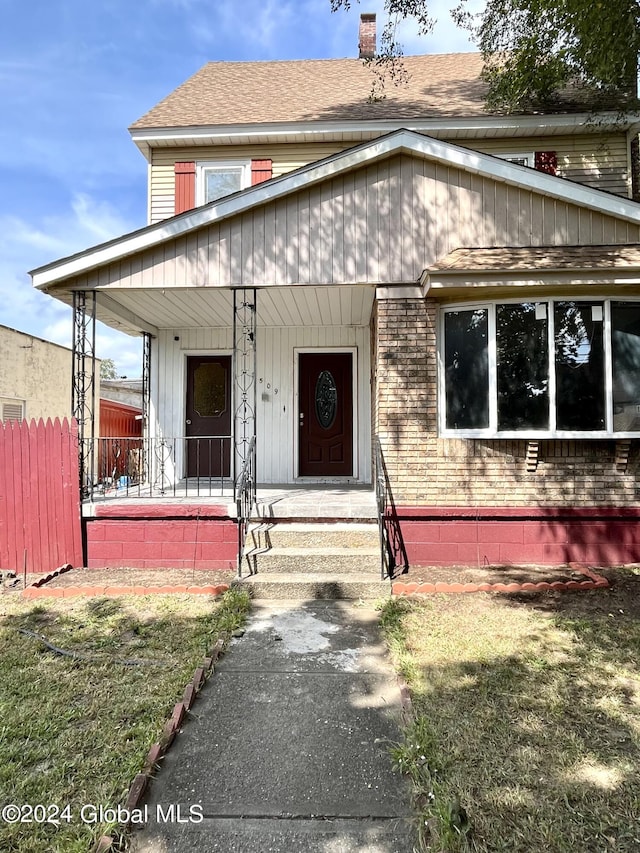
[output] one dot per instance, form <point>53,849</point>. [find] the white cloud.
<point>26,244</point>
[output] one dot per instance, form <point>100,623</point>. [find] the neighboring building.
<point>120,430</point>
<point>126,392</point>
<point>459,286</point>
<point>35,377</point>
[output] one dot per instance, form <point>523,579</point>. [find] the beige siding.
<point>277,404</point>
<point>285,159</point>
<point>598,160</point>
<point>381,224</point>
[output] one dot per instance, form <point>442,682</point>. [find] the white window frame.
<point>219,165</point>
<point>492,430</point>
<point>519,155</point>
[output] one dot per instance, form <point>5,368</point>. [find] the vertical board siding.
<point>352,229</point>
<point>599,160</point>
<point>39,496</point>
<point>277,403</point>
<point>171,373</point>
<point>276,413</point>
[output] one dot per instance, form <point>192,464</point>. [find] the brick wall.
<point>160,536</point>
<point>429,471</point>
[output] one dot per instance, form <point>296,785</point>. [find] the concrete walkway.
<point>287,748</point>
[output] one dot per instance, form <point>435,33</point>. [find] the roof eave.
<point>435,284</point>
<point>470,126</point>
<point>402,141</point>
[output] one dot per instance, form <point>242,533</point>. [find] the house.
<point>24,361</point>
<point>410,292</point>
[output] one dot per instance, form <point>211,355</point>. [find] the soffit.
<point>213,307</point>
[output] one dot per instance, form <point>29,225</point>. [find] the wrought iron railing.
<point>245,497</point>
<point>126,466</point>
<point>393,555</point>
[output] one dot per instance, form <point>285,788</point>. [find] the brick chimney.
<point>367,40</point>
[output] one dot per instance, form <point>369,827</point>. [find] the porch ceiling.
<point>134,310</point>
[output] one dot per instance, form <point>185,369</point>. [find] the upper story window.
<point>555,367</point>
<point>523,159</point>
<point>215,180</point>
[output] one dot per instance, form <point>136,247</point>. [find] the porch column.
<point>83,383</point>
<point>244,373</point>
<point>146,401</point>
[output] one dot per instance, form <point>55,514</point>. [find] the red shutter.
<point>185,187</point>
<point>547,161</point>
<point>261,170</point>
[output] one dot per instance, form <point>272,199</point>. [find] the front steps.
<point>314,560</point>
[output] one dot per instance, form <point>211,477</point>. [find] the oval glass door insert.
<point>326,399</point>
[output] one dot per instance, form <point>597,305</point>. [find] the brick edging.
<point>39,589</point>
<point>595,581</point>
<point>141,781</point>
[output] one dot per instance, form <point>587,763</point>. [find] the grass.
<point>76,732</point>
<point>526,721</point>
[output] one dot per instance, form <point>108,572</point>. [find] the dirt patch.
<point>128,577</point>
<point>494,574</point>
<point>622,597</point>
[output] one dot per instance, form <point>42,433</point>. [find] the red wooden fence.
<point>39,496</point>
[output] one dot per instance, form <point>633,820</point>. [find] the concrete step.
<point>315,560</point>
<point>304,587</point>
<point>312,534</point>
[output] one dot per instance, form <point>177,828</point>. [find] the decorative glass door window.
<point>326,399</point>
<point>210,390</point>
<point>553,367</point>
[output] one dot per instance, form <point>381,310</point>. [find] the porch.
<point>277,502</point>
<point>189,530</point>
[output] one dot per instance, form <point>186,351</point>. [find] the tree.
<point>532,49</point>
<point>108,369</point>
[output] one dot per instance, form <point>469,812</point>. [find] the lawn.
<point>75,732</point>
<point>526,718</point>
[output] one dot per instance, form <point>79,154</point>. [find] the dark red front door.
<point>208,426</point>
<point>325,393</point>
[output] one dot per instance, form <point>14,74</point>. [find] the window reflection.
<point>523,366</point>
<point>467,369</point>
<point>625,338</point>
<point>580,392</point>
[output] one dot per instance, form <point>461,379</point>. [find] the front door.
<point>325,414</point>
<point>208,417</point>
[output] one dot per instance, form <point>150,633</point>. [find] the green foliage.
<point>108,369</point>
<point>534,48</point>
<point>77,732</point>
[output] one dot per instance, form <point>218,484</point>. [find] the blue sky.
<point>75,74</point>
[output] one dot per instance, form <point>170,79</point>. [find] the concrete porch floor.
<point>316,501</point>
<point>290,501</point>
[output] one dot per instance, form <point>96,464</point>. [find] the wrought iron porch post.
<point>146,406</point>
<point>83,383</point>
<point>244,370</point>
